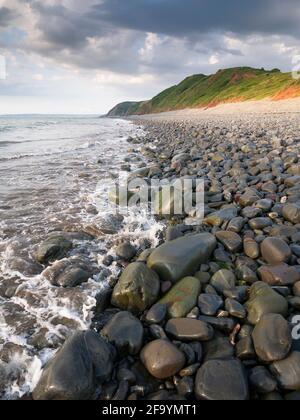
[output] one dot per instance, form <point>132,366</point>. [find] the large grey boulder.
<point>137,289</point>
<point>83,363</point>
<point>182,257</point>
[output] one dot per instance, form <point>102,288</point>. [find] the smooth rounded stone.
<point>218,348</point>
<point>84,361</point>
<point>236,224</point>
<point>223,280</point>
<point>225,325</point>
<point>291,213</point>
<point>284,231</point>
<point>262,381</point>
<point>239,293</point>
<point>264,300</point>
<point>182,257</point>
<point>137,289</point>
<point>292,181</point>
<point>231,240</point>
<point>222,380</point>
<point>185,329</point>
<point>222,256</point>
<point>125,332</point>
<point>235,309</point>
<point>275,251</point>
<point>221,216</point>
<point>251,212</point>
<point>157,314</point>
<point>296,250</point>
<point>249,198</point>
<point>162,359</point>
<point>296,289</point>
<point>287,372</point>
<point>251,248</point>
<point>182,298</point>
<point>282,290</point>
<point>260,223</point>
<point>246,275</point>
<point>245,349</point>
<point>272,338</point>
<point>126,375</point>
<point>265,204</point>
<point>143,257</point>
<point>67,273</point>
<point>126,252</point>
<point>279,275</point>
<point>210,304</point>
<point>245,331</point>
<point>53,248</point>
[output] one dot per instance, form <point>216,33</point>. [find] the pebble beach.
<point>207,310</point>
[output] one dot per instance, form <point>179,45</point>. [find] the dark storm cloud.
<point>6,16</point>
<point>183,17</point>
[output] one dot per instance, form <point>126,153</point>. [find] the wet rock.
<point>296,289</point>
<point>287,372</point>
<point>222,380</point>
<point>239,293</point>
<point>137,289</point>
<point>225,325</point>
<point>262,381</point>
<point>210,304</point>
<point>126,252</point>
<point>251,248</point>
<point>235,309</point>
<point>260,223</point>
<point>246,275</point>
<point>245,349</point>
<point>182,298</point>
<point>182,257</point>
<point>162,359</point>
<point>84,362</point>
<point>236,224</point>
<point>223,280</point>
<point>68,273</point>
<point>157,314</point>
<point>185,329</point>
<point>249,198</point>
<point>125,332</point>
<point>231,240</point>
<point>53,248</point>
<point>219,217</point>
<point>185,386</point>
<point>272,338</point>
<point>279,275</point>
<point>264,300</point>
<point>291,213</point>
<point>275,251</point>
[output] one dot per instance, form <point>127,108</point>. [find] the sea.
<point>55,175</point>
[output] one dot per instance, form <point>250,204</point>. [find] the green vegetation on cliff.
<point>229,85</point>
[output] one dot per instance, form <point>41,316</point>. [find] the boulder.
<point>182,257</point>
<point>279,275</point>
<point>264,300</point>
<point>287,372</point>
<point>53,248</point>
<point>162,359</point>
<point>125,332</point>
<point>272,338</point>
<point>185,329</point>
<point>83,363</point>
<point>275,251</point>
<point>137,289</point>
<point>182,298</point>
<point>68,273</point>
<point>222,380</point>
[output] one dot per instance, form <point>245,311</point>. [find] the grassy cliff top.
<point>229,85</point>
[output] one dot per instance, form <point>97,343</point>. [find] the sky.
<point>85,56</point>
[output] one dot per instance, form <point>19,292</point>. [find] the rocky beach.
<point>193,309</point>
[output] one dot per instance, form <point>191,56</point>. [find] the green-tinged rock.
<point>182,257</point>
<point>137,289</point>
<point>264,300</point>
<point>182,298</point>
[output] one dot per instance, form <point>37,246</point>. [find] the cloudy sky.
<point>84,56</point>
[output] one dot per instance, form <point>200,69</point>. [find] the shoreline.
<point>205,288</point>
